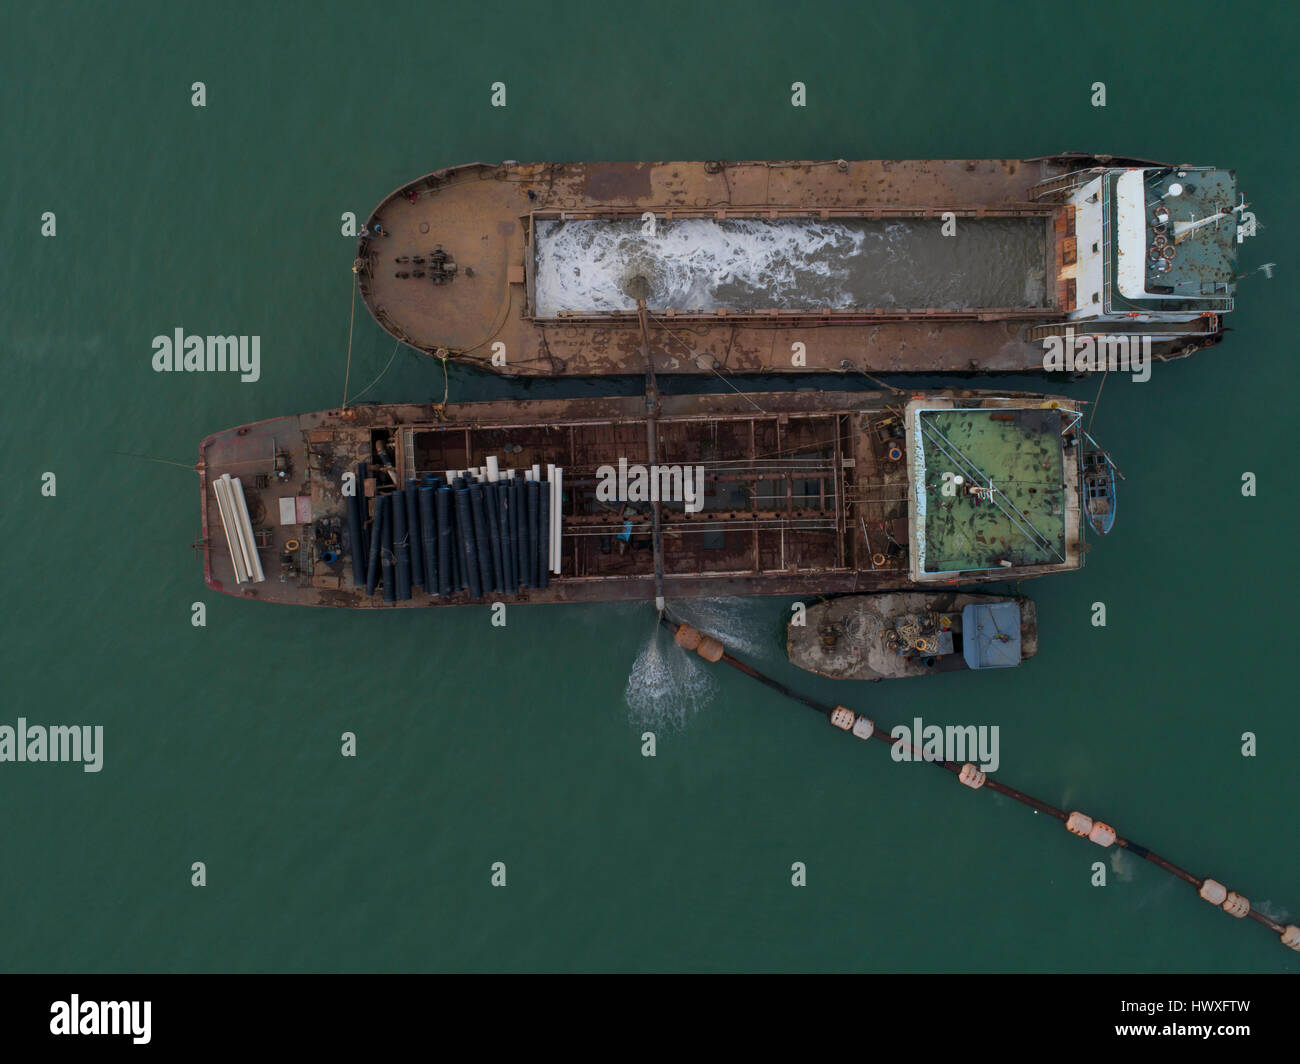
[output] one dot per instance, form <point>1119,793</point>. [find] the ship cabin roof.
<point>992,488</point>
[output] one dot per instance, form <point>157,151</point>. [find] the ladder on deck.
<point>408,455</point>
<point>1060,187</point>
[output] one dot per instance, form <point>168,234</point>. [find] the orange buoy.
<point>1101,834</point>
<point>1213,891</point>
<point>687,637</point>
<point>843,718</point>
<point>291,545</point>
<point>1291,937</point>
<point>709,649</point>
<point>1079,823</point>
<point>877,559</point>
<point>972,777</point>
<point>1236,905</point>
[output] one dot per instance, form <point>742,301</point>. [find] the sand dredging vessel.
<point>755,267</point>
<point>597,499</point>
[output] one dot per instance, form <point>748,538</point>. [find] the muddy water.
<point>748,264</point>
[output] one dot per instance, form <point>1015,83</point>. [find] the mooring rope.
<point>1077,823</point>
<point>347,373</point>
<point>377,379</point>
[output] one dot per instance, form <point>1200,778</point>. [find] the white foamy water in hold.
<point>748,264</point>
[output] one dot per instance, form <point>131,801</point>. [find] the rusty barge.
<point>534,269</point>
<point>575,501</point>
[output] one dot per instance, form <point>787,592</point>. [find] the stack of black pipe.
<point>470,535</point>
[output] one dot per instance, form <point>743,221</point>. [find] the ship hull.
<point>465,263</point>
<point>803,493</point>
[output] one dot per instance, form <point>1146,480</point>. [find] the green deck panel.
<point>1023,458</point>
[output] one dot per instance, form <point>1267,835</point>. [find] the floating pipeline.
<point>1103,835</point>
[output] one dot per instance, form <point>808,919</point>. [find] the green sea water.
<point>522,745</point>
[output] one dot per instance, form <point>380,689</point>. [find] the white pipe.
<point>246,527</point>
<point>492,469</point>
<point>537,472</point>
<point>558,510</point>
<point>242,568</point>
<point>551,517</point>
<point>228,523</point>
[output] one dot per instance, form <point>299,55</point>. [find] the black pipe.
<point>356,542</point>
<point>507,538</point>
<point>458,554</point>
<point>492,511</point>
<point>363,471</point>
<point>465,532</point>
<point>481,538</point>
<point>544,535</point>
<point>376,532</point>
<point>386,564</point>
<point>442,500</point>
<point>413,530</point>
<point>428,541</point>
<point>518,508</point>
<point>533,490</point>
<point>402,546</point>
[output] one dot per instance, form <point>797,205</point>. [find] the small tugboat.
<point>1099,474</point>
<point>896,635</point>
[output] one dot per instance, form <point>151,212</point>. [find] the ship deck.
<point>804,492</point>
<point>485,219</point>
